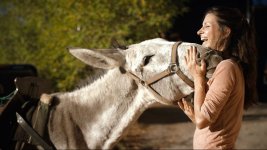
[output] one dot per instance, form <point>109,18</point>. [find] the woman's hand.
<point>194,69</point>
<point>187,108</point>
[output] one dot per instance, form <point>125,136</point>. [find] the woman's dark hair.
<point>240,45</point>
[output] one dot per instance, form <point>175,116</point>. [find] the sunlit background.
<point>34,35</point>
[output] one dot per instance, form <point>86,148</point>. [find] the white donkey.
<point>96,116</point>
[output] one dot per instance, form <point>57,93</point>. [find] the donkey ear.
<point>105,59</point>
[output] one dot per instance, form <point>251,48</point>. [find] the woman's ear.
<point>226,31</point>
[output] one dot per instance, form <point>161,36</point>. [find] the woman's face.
<point>211,34</point>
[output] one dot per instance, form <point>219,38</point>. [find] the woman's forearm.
<point>199,97</point>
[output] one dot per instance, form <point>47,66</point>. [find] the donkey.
<point>97,116</point>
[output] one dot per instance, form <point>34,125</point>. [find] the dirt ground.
<point>165,127</point>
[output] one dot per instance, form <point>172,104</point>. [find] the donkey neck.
<point>104,109</point>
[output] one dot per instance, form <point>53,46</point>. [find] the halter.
<point>170,70</point>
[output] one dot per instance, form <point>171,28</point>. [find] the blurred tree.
<point>38,32</point>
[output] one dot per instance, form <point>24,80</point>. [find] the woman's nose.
<point>199,31</point>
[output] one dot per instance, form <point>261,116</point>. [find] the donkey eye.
<point>147,59</point>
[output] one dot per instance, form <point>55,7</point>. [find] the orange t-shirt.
<point>223,107</point>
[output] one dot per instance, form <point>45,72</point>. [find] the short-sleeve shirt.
<point>223,107</point>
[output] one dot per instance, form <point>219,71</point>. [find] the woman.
<point>219,103</point>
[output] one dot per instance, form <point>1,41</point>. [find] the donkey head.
<point>146,59</point>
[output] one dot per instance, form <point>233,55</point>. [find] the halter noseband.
<point>172,68</point>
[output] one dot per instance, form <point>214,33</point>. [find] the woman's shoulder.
<point>227,66</point>
<point>227,63</point>
<point>227,70</point>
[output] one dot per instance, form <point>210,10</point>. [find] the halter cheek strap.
<point>175,62</point>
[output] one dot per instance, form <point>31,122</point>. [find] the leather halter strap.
<point>176,64</point>
<point>172,69</point>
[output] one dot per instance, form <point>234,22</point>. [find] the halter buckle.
<point>173,68</point>
<point>143,82</point>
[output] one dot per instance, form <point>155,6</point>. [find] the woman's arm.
<point>198,74</point>
<point>199,97</point>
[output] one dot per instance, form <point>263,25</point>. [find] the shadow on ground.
<point>164,127</point>
<point>162,115</point>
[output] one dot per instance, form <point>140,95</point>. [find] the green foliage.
<point>38,31</point>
